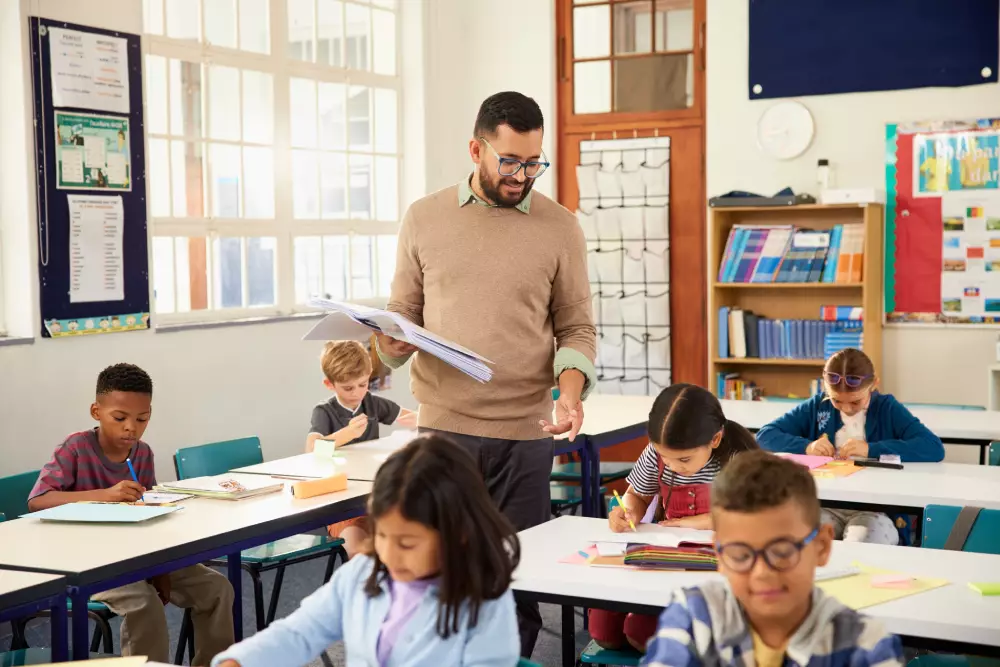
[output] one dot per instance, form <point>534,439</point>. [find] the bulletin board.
<point>93,262</point>
<point>943,222</point>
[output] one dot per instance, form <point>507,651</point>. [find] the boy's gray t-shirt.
<point>330,416</point>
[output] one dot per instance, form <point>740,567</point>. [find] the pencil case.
<point>318,487</point>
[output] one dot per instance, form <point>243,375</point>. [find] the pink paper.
<point>809,461</point>
<point>580,557</point>
<point>891,581</point>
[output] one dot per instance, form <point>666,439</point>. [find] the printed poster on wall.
<point>89,70</point>
<point>96,270</point>
<point>943,222</point>
<point>92,152</point>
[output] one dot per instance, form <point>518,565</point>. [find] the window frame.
<point>283,227</point>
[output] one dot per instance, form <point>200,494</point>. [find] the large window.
<point>273,153</point>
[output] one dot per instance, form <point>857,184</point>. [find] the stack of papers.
<point>352,322</point>
<point>652,557</point>
<point>224,487</point>
<point>85,512</point>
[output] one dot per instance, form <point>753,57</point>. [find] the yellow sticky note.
<point>866,590</point>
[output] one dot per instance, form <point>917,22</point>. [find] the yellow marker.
<point>625,511</point>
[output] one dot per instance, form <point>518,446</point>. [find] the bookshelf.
<point>783,300</point>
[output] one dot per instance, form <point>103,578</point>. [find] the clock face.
<point>785,130</point>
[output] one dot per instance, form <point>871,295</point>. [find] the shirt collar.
<point>354,411</point>
<point>466,194</point>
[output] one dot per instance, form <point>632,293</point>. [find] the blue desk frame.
<point>48,596</point>
<point>589,480</point>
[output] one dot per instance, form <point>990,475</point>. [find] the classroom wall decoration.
<point>90,180</point>
<point>822,47</point>
<point>624,189</point>
<point>943,222</point>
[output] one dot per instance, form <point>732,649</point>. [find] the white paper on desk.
<point>163,498</point>
<point>96,226</point>
<point>657,535</point>
<point>610,548</point>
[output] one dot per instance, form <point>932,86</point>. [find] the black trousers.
<point>516,473</point>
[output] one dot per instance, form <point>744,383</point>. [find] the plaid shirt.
<point>79,464</point>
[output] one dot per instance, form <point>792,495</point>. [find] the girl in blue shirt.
<point>851,419</point>
<point>433,588</point>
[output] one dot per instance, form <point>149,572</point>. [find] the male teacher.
<point>501,270</point>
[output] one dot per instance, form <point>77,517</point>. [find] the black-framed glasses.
<point>852,381</point>
<point>508,166</point>
<point>780,555</point>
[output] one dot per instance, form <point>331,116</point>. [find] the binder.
<point>724,332</point>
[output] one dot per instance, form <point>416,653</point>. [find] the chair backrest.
<point>14,492</point>
<point>994,454</point>
<point>2,517</point>
<point>984,537</point>
<point>217,458</point>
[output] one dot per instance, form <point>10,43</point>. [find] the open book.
<point>351,322</point>
<point>223,487</point>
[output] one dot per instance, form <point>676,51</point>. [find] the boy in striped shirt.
<point>92,466</point>
<point>767,612</point>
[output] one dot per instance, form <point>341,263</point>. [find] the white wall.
<point>920,364</point>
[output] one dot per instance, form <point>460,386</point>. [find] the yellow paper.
<point>130,661</point>
<point>857,591</point>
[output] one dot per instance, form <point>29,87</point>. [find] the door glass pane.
<point>224,103</point>
<point>258,172</point>
<point>332,115</point>
<point>333,183</point>
<point>254,32</point>
<point>359,114</point>
<point>384,34</point>
<point>303,112</point>
<point>305,185</point>
<point>335,267</point>
<point>358,37</point>
<point>386,263</point>
<point>633,27</point>
<point>592,87</point>
<point>300,29</point>
<point>258,107</point>
<point>674,25</point>
<point>330,33</point>
<point>158,162</point>
<point>156,94</point>
<point>656,83</point>
<point>592,32</point>
<point>385,120</point>
<point>179,19</point>
<point>164,299</point>
<point>185,98</point>
<point>228,263</point>
<point>220,22</point>
<point>152,15</point>
<point>362,286</point>
<point>224,162</point>
<point>308,268</point>
<point>260,271</point>
<point>386,189</point>
<point>361,186</point>
<point>186,165</point>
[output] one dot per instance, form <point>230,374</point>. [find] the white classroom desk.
<point>954,615</point>
<point>24,593</point>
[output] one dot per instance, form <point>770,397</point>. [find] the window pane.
<point>332,116</point>
<point>156,95</point>
<point>359,126</point>
<point>182,262</point>
<point>258,172</point>
<point>386,121</point>
<point>384,32</point>
<point>391,4</point>
<point>300,29</point>
<point>258,107</point>
<point>361,186</point>
<point>305,185</point>
<point>185,98</point>
<point>164,299</point>
<point>223,103</point>
<point>255,34</point>
<point>152,15</point>
<point>362,283</point>
<point>386,246</point>
<point>227,262</point>
<point>592,32</point>
<point>335,266</point>
<point>303,102</point>
<point>261,271</point>
<point>220,22</point>
<point>592,87</point>
<point>159,178</point>
<point>634,27</point>
<point>333,180</point>
<point>674,26</point>
<point>308,268</point>
<point>224,162</point>
<point>358,36</point>
<point>387,188</point>
<point>655,83</point>
<point>187,177</point>
<point>330,33</point>
<point>179,19</point>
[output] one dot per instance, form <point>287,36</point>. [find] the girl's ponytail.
<point>736,439</point>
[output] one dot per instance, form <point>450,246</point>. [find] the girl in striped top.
<point>690,440</point>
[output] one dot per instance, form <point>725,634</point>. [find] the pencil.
<point>134,477</point>
<point>622,505</point>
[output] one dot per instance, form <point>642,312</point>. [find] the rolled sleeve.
<point>567,358</point>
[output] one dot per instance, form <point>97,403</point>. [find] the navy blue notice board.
<point>60,315</point>
<point>819,47</point>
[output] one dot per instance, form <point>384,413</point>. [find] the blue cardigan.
<point>889,429</point>
<point>342,610</point>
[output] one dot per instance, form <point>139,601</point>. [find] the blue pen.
<point>134,477</point>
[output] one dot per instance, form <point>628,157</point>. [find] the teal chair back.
<point>984,537</point>
<point>217,458</point>
<point>14,492</point>
<point>995,453</point>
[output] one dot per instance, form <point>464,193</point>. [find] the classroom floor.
<point>300,581</point>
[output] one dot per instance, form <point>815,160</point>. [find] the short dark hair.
<point>685,416</point>
<point>518,111</point>
<point>124,377</point>
<point>759,480</point>
<point>435,482</point>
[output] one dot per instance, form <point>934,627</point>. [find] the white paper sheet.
<point>655,534</point>
<point>89,71</point>
<point>117,163</point>
<point>71,162</point>
<point>96,226</point>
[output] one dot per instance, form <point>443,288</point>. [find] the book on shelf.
<point>729,385</point>
<point>744,334</point>
<point>785,254</point>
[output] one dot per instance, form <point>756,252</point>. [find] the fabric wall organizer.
<point>624,211</point>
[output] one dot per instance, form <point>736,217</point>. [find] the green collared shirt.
<point>466,194</point>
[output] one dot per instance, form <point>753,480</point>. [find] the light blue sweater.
<point>342,610</point>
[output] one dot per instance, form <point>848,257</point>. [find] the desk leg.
<point>236,579</point>
<point>982,453</point>
<point>59,629</point>
<point>586,488</point>
<point>568,636</point>
<point>80,624</point>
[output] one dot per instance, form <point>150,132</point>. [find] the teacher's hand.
<point>394,348</point>
<point>569,407</point>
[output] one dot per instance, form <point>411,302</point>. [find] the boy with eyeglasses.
<point>767,612</point>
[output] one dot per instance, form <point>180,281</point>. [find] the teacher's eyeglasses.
<point>780,555</point>
<point>508,166</point>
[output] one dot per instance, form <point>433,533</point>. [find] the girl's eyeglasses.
<point>852,381</point>
<point>508,166</point>
<point>780,555</point>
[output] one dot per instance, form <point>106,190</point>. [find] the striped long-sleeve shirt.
<point>705,625</point>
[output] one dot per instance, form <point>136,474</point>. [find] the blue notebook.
<point>724,332</point>
<point>102,513</point>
